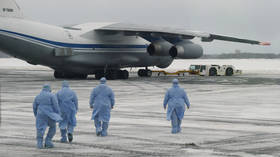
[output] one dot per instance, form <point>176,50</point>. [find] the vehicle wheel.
<point>212,72</point>
<point>229,72</point>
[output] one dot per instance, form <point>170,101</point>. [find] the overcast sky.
<point>252,19</point>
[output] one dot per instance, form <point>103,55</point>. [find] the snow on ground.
<point>229,116</point>
<point>263,66</point>
<point>260,66</point>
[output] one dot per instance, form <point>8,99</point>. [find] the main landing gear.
<point>112,74</point>
<point>145,72</point>
<point>64,75</point>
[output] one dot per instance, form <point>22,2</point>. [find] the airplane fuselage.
<point>78,49</point>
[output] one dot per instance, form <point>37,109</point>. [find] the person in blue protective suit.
<point>102,101</point>
<point>176,98</point>
<point>68,104</point>
<point>47,113</point>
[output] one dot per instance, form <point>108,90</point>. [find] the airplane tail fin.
<point>9,8</point>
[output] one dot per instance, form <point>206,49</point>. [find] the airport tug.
<point>204,70</point>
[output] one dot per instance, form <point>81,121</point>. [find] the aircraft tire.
<point>141,72</point>
<point>62,75</point>
<point>58,75</point>
<point>123,74</point>
<point>82,76</point>
<point>112,75</point>
<point>145,73</point>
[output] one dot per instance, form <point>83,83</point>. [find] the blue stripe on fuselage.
<point>72,45</point>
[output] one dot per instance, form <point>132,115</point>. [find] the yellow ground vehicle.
<point>178,73</point>
<point>203,70</point>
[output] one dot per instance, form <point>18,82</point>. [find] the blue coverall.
<point>68,104</point>
<point>102,101</point>
<point>47,113</point>
<point>176,98</point>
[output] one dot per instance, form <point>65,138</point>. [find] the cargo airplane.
<point>102,49</point>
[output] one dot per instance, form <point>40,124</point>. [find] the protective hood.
<point>65,84</point>
<point>47,88</point>
<point>103,80</point>
<point>175,83</point>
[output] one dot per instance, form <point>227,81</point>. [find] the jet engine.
<point>159,48</point>
<point>165,62</point>
<point>186,50</point>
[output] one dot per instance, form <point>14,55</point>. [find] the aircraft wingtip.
<point>265,43</point>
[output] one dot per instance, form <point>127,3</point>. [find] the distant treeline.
<point>242,55</point>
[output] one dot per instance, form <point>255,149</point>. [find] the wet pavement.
<point>229,116</point>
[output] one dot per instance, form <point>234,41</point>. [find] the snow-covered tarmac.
<point>229,116</point>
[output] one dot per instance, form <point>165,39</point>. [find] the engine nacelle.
<point>165,62</point>
<point>159,48</point>
<point>186,50</point>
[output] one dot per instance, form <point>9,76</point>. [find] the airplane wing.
<point>152,33</point>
